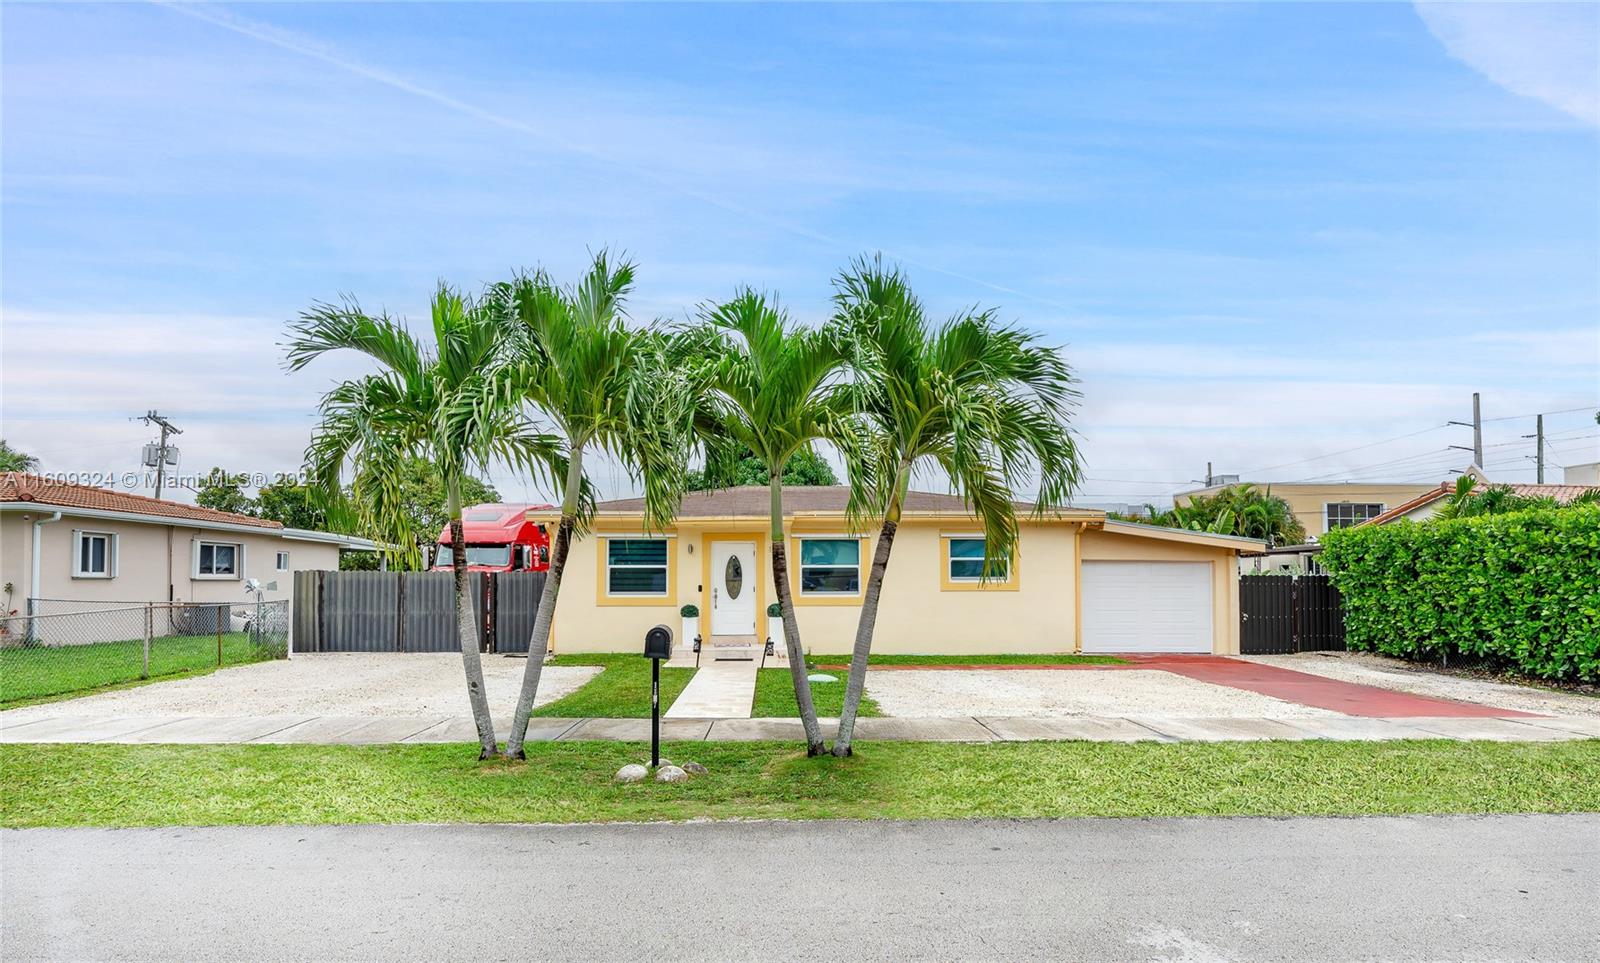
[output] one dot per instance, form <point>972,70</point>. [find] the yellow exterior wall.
<point>1308,501</point>
<point>1034,613</point>
<point>1116,546</point>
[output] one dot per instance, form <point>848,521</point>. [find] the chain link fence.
<point>55,652</point>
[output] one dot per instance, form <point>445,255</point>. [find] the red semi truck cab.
<point>499,539</point>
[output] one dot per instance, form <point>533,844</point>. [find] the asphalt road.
<point>1504,887</point>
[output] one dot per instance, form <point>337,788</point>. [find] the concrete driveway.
<point>333,684</point>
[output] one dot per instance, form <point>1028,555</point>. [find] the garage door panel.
<point>1147,606</point>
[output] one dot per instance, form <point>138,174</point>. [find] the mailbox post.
<point>657,646</point>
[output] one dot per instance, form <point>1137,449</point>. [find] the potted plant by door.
<point>691,625</point>
<point>775,625</point>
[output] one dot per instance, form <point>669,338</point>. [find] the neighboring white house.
<point>86,544</point>
<point>1586,474</point>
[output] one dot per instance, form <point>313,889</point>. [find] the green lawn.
<point>40,673</point>
<point>127,785</point>
<point>775,696</point>
<point>1016,659</point>
<point>621,691</point>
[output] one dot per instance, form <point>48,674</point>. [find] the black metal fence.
<point>411,611</point>
<point>1283,614</point>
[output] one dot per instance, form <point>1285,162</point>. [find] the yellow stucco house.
<point>1321,506</point>
<point>1077,583</point>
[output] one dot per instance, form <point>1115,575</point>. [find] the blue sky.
<point>1264,233</point>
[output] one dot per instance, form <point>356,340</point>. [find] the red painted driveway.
<point>1303,688</point>
<point>1350,698</point>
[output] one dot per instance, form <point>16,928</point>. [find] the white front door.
<point>1147,607</point>
<point>733,588</point>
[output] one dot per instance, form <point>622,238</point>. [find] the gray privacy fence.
<point>411,611</point>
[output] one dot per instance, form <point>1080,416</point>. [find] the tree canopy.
<point>1243,510</point>
<point>11,459</point>
<point>745,467</point>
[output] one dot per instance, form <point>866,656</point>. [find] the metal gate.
<point>1283,614</point>
<point>411,611</point>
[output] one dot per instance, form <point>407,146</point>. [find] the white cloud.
<point>1547,51</point>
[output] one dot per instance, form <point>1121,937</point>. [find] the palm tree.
<point>603,387</point>
<point>982,403</point>
<point>451,405</point>
<point>13,459</point>
<point>765,385</point>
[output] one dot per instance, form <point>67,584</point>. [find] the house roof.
<point>18,487</point>
<point>1561,493</point>
<point>755,501</point>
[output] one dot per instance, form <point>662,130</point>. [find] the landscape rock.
<point>632,773</point>
<point>671,774</point>
<point>695,769</point>
<point>663,762</point>
<point>821,677</point>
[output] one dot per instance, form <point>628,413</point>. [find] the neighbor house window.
<point>218,559</point>
<point>830,566</point>
<point>283,561</point>
<point>636,566</point>
<point>1345,514</point>
<point>965,561</point>
<point>94,555</point>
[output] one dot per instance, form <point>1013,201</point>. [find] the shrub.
<point>1519,591</point>
<point>774,610</point>
<point>690,611</point>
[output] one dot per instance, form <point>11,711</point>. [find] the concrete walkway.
<point>720,690</point>
<point>369,730</point>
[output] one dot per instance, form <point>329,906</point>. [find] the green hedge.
<point>1518,591</point>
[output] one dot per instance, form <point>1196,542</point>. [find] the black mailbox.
<point>658,643</point>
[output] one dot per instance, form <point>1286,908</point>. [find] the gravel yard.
<point>1400,676</point>
<point>334,684</point>
<point>910,693</point>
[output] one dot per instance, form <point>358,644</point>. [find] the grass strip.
<point>126,785</point>
<point>620,691</point>
<point>45,673</point>
<point>1028,658</point>
<point>775,696</point>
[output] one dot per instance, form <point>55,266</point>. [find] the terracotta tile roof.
<point>19,487</point>
<point>1561,493</point>
<point>754,501</point>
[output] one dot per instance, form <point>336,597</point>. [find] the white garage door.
<point>1146,607</point>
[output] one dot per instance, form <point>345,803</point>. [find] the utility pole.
<point>1477,432</point>
<point>1476,424</point>
<point>1538,446</point>
<point>167,428</point>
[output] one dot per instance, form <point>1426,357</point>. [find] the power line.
<point>1534,414</point>
<point>1345,451</point>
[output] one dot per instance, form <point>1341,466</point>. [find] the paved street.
<point>1505,887</point>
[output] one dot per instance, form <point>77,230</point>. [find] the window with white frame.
<point>218,559</point>
<point>830,566</point>
<point>636,566</point>
<point>283,562</point>
<point>1345,514</point>
<point>94,555</point>
<point>966,561</point>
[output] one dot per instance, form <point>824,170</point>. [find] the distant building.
<point>1582,474</point>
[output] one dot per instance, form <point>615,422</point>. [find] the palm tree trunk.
<point>869,618</point>
<point>539,642</point>
<point>467,629</point>
<point>791,628</point>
